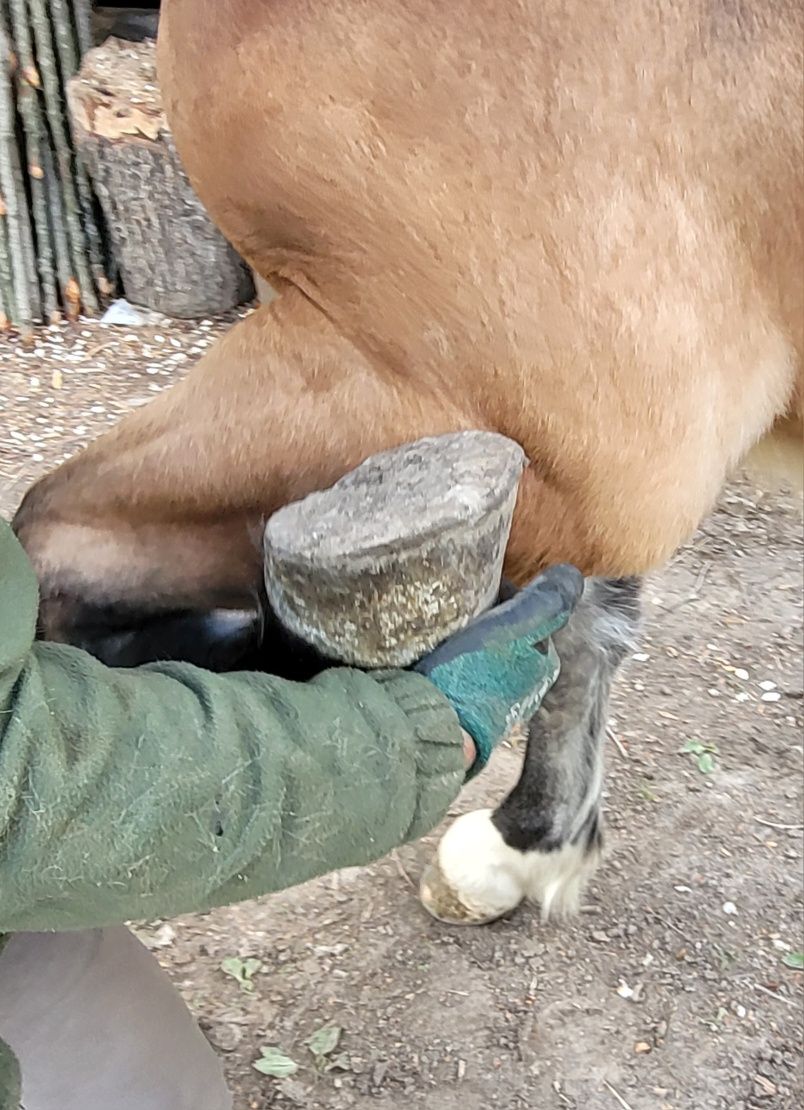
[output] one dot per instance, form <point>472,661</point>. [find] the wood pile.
<point>92,194</point>
<point>53,261</point>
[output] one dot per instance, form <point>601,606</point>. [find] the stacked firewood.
<point>53,260</point>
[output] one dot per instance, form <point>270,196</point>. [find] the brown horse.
<point>578,224</point>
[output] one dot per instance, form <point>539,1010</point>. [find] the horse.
<point>578,225</point>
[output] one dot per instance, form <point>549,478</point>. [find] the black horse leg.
<point>544,840</point>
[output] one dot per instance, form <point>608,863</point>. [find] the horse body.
<point>577,224</point>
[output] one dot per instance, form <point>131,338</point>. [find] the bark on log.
<point>171,256</point>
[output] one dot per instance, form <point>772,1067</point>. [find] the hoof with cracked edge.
<point>474,877</point>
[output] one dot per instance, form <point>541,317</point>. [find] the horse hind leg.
<point>544,841</point>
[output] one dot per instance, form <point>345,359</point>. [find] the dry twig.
<point>625,1105</point>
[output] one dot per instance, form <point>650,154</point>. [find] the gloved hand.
<point>496,672</point>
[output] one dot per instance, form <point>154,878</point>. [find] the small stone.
<point>767,684</point>
<point>224,1037</point>
<point>162,937</point>
<point>741,672</point>
<point>642,1047</point>
<point>293,1091</point>
<point>771,696</point>
<point>729,908</point>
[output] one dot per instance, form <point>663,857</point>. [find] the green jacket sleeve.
<point>167,789</point>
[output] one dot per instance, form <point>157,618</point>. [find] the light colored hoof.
<point>473,879</point>
<point>444,904</point>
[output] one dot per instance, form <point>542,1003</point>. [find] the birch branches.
<point>52,257</point>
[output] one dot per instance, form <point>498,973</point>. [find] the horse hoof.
<point>444,903</point>
<point>475,878</point>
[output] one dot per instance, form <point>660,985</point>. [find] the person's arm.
<point>165,789</point>
<point>156,791</point>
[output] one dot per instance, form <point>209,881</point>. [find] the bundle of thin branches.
<point>53,261</point>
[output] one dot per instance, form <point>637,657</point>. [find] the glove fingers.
<point>548,600</point>
<point>538,610</point>
<point>507,591</point>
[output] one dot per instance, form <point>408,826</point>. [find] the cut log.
<point>171,256</point>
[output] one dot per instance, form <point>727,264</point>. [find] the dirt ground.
<point>670,990</point>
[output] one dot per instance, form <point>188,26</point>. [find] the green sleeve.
<point>163,790</point>
<point>10,1086</point>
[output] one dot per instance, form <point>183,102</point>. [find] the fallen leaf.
<point>163,937</point>
<point>242,970</point>
<point>111,125</point>
<point>706,763</point>
<point>324,1040</point>
<point>794,960</point>
<point>704,755</point>
<point>275,1063</point>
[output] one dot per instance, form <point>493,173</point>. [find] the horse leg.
<point>544,841</point>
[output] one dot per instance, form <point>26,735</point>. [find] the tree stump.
<point>171,256</point>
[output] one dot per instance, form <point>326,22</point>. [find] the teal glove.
<point>496,672</point>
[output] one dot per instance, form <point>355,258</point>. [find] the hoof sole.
<point>442,902</point>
